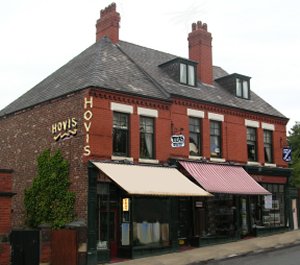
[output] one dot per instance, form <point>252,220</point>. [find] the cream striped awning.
<point>150,180</point>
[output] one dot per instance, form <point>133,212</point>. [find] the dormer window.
<point>236,84</point>
<point>187,74</point>
<point>242,88</point>
<point>181,70</point>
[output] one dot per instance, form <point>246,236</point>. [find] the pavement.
<point>202,255</point>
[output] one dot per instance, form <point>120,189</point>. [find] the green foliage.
<point>48,200</point>
<point>294,143</point>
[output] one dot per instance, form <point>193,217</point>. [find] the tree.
<point>294,143</point>
<point>48,200</point>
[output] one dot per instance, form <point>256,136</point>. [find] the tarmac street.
<point>222,251</point>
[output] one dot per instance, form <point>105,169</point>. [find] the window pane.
<point>120,134</point>
<point>146,137</point>
<point>238,87</point>
<point>215,139</point>
<point>191,77</point>
<point>251,144</point>
<point>183,77</point>
<point>268,146</point>
<point>245,89</point>
<point>195,142</point>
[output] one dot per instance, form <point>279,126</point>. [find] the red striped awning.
<point>224,179</point>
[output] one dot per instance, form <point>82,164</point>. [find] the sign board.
<point>268,202</point>
<point>177,140</point>
<point>287,154</point>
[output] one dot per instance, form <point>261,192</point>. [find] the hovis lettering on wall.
<point>87,118</point>
<point>64,129</point>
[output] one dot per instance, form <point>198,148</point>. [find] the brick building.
<point>120,109</point>
<point>5,214</point>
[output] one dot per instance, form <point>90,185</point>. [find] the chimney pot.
<point>108,24</point>
<point>200,50</point>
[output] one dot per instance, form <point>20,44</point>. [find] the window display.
<point>151,218</point>
<point>221,216</point>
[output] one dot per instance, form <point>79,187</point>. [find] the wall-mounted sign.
<point>64,129</point>
<point>287,154</point>
<point>177,140</point>
<point>87,117</point>
<point>125,207</point>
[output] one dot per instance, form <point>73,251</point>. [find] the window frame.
<point>252,142</point>
<point>218,137</point>
<point>241,89</point>
<point>148,133</point>
<point>122,130</point>
<point>197,134</point>
<point>189,69</point>
<point>268,145</point>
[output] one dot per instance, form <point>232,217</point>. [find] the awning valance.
<point>217,178</point>
<point>150,180</point>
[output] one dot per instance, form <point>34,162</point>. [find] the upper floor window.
<point>215,139</point>
<point>146,137</point>
<point>187,74</point>
<point>195,136</point>
<point>120,134</point>
<point>242,88</point>
<point>251,144</point>
<point>268,146</point>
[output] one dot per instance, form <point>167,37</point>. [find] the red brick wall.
<point>5,215</point>
<point>26,134</point>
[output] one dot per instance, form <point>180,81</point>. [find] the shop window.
<point>268,146</point>
<point>120,134</point>
<point>195,136</point>
<point>273,211</point>
<point>215,139</point>
<point>269,210</point>
<point>146,137</point>
<point>151,222</point>
<point>251,144</point>
<point>221,214</point>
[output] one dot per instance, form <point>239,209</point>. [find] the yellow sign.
<point>87,117</point>
<point>64,129</point>
<point>125,204</point>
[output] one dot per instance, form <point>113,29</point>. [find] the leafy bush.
<point>48,200</point>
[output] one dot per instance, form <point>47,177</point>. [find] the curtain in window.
<point>149,144</point>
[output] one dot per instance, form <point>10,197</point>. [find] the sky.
<point>258,38</point>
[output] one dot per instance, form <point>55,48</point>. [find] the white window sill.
<point>195,157</point>
<point>148,161</point>
<point>219,160</point>
<point>122,158</point>
<point>270,165</point>
<point>253,163</point>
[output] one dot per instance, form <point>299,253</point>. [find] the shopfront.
<point>137,209</point>
<point>228,214</point>
<point>271,213</point>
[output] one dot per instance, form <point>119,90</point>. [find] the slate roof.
<point>131,69</point>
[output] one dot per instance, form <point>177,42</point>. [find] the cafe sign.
<point>177,140</point>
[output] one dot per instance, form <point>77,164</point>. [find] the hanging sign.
<point>287,154</point>
<point>177,140</point>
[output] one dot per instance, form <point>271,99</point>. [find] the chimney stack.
<point>108,24</point>
<point>200,50</point>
